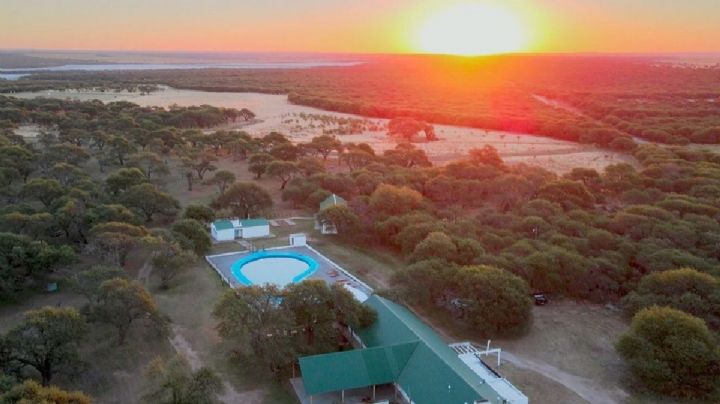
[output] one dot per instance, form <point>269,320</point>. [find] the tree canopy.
<point>672,353</point>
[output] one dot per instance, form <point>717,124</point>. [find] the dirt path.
<point>144,273</point>
<point>230,395</point>
<point>182,346</point>
<point>583,387</point>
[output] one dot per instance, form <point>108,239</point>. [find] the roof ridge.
<point>459,366</point>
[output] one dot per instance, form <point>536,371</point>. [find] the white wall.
<point>256,231</point>
<point>223,235</point>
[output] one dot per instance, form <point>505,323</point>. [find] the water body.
<point>13,74</point>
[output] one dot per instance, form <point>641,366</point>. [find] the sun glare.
<point>471,30</point>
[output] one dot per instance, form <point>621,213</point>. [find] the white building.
<point>231,229</point>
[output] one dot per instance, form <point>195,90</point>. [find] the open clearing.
<point>275,113</point>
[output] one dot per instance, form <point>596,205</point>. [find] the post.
<point>342,395</point>
<point>373,392</point>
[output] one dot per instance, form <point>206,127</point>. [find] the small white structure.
<point>473,358</point>
<point>231,229</point>
<point>327,227</point>
<point>358,294</point>
<point>298,239</point>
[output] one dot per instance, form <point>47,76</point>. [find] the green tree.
<point>22,259</point>
<point>222,179</point>
<point>19,159</point>
<point>123,179</point>
<point>201,213</point>
<point>170,260</point>
<point>569,194</point>
<point>115,240</point>
<point>311,304</point>
<point>435,245</point>
<point>285,152</point>
<point>32,392</point>
<point>283,170</point>
<point>257,326</point>
<point>356,158</point>
<point>407,128</point>
<point>672,352</point>
<point>493,300</point>
<point>324,145</point>
<point>118,149</point>
<point>199,161</point>
<point>245,199</point>
<point>425,282</point>
<point>683,289</point>
<point>87,282</point>
<point>44,190</point>
<point>486,155</point>
<point>174,382</point>
<point>407,155</point>
<point>309,166</point>
<point>192,235</point>
<point>258,163</point>
<point>148,200</point>
<point>120,303</point>
<point>342,217</point>
<point>149,163</point>
<point>47,341</point>
<point>388,200</point>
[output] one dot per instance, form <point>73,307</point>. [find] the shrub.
<point>672,353</point>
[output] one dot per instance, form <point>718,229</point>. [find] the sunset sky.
<point>363,25</point>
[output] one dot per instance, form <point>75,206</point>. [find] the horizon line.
<point>295,52</point>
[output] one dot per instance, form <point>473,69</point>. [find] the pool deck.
<point>327,270</point>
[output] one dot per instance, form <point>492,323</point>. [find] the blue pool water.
<point>279,268</point>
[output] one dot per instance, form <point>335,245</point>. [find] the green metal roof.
<point>434,373</point>
<point>356,368</point>
<point>332,200</point>
<point>223,224</point>
<point>253,222</point>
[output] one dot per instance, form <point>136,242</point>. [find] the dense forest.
<point>87,192</point>
<point>84,197</point>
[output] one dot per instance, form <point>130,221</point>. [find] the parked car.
<point>540,299</point>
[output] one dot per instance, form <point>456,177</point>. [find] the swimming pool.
<point>279,268</point>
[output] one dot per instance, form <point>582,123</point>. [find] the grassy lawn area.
<point>374,266</point>
<point>189,303</point>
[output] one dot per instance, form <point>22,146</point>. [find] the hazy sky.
<point>349,25</point>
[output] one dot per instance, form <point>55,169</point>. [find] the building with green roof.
<point>402,350</point>
<point>327,227</point>
<point>332,200</point>
<point>230,229</point>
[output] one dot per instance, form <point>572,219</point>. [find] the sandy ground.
<point>301,123</point>
<point>573,344</point>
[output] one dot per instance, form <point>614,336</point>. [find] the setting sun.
<point>470,30</point>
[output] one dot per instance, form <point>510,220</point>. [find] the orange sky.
<point>350,25</point>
